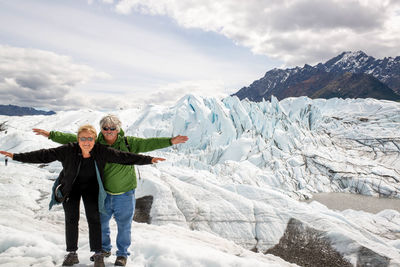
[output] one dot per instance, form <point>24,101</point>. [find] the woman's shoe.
<point>103,252</point>
<point>98,260</point>
<point>70,259</point>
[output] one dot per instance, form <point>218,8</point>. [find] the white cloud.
<point>139,53</point>
<point>297,31</point>
<point>169,94</point>
<point>37,78</point>
<point>166,95</point>
<point>151,61</point>
<point>32,77</point>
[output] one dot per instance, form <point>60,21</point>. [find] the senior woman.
<point>81,177</point>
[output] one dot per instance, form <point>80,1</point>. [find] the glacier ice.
<point>246,165</point>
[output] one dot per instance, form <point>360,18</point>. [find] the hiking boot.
<point>70,259</point>
<point>98,260</point>
<point>103,252</point>
<point>120,261</point>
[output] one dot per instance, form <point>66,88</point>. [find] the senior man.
<point>119,180</point>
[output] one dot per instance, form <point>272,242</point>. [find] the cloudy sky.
<point>111,54</point>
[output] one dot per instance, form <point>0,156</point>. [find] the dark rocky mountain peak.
<point>316,81</point>
<point>348,61</point>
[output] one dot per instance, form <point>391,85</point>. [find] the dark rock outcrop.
<point>367,257</point>
<point>306,246</point>
<point>142,209</point>
<point>3,126</point>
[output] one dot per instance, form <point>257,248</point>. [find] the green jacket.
<point>119,179</point>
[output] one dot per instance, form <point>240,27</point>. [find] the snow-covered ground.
<point>234,186</point>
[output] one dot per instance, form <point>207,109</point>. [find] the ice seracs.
<point>246,166</point>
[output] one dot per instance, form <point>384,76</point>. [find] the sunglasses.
<point>109,128</point>
<point>83,139</point>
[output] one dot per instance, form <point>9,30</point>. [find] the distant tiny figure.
<point>6,160</point>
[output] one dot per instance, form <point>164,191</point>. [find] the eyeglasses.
<point>83,139</point>
<point>109,128</point>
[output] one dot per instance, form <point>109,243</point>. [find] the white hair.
<point>111,121</point>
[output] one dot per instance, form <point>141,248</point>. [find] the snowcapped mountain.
<point>314,81</point>
<point>386,70</point>
<point>12,110</point>
<point>233,192</point>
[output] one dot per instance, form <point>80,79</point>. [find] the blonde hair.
<point>110,120</point>
<point>87,128</point>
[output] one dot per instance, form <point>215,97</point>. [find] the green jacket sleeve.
<point>62,138</point>
<point>140,145</point>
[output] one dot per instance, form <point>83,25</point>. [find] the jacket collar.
<point>102,140</point>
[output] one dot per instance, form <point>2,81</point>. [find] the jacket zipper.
<point>76,175</point>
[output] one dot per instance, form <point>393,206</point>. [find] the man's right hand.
<point>41,132</point>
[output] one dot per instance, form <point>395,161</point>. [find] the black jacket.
<point>70,156</point>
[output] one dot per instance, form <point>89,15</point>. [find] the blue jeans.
<point>123,208</point>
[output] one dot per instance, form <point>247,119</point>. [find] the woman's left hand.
<point>156,160</point>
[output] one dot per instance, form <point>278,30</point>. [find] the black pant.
<point>89,194</point>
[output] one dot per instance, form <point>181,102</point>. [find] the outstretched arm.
<point>39,156</point>
<point>11,155</point>
<point>179,139</point>
<point>41,132</point>
<point>55,136</point>
<point>126,158</point>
